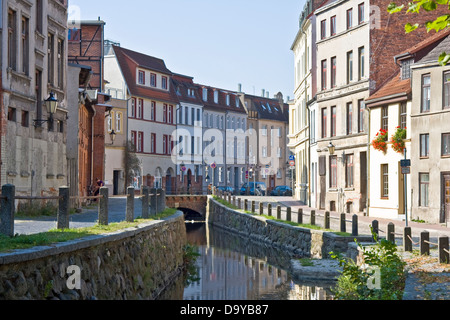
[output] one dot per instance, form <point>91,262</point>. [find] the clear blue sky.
<point>219,43</point>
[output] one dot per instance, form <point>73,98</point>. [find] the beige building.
<point>34,65</point>
<point>430,140</point>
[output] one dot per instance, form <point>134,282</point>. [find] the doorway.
<point>116,177</point>
<point>445,212</point>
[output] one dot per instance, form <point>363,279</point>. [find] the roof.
<point>221,105</point>
<point>434,54</point>
<point>269,109</point>
<point>130,60</point>
<point>394,90</point>
<point>182,84</point>
<point>427,42</point>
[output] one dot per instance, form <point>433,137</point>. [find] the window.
<point>133,107</point>
<point>349,171</point>
<point>205,94</point>
<point>118,122</point>
<point>216,96</point>
<point>361,15</point>
<point>264,130</point>
<point>385,118</point>
<point>424,145</point>
<point>12,39</point>
<point>406,68</point>
<point>333,172</point>
<point>446,144</point>
<point>74,35</point>
<point>333,25</point>
<point>133,140</point>
<point>140,143</point>
<point>333,72</point>
<point>349,118</point>
<point>50,58</point>
<point>141,77</point>
<point>324,74</point>
<point>361,110</point>
<point>186,115</point>
<point>171,115</point>
<point>349,18</point>
<point>228,100</point>
<point>153,111</point>
<point>25,45</point>
<point>361,70</point>
<point>60,63</point>
<point>164,83</point>
<point>446,90</point>
<point>11,114</point>
<point>424,183</point>
<point>324,122</point>
<point>403,115</point>
<point>153,82</point>
<point>426,93</point>
<point>165,111</point>
<point>323,29</point>
<point>349,66</point>
<point>39,12</point>
<point>192,116</point>
<point>140,109</point>
<point>385,181</point>
<point>153,143</point>
<point>165,144</point>
<point>313,126</point>
<point>333,121</point>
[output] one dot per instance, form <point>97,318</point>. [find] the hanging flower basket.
<point>398,140</point>
<point>380,141</point>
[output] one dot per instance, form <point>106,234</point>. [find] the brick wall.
<point>388,38</point>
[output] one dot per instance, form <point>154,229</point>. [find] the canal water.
<point>231,267</point>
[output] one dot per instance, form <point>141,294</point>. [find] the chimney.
<point>239,87</point>
<point>267,94</point>
<point>263,94</point>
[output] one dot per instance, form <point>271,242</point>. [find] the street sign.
<point>292,163</point>
<point>406,170</point>
<point>183,168</point>
<point>213,165</point>
<point>291,158</point>
<point>405,163</point>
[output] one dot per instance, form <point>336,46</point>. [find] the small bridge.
<point>193,206</point>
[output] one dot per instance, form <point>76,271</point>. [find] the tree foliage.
<point>440,23</point>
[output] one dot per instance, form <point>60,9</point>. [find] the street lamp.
<point>113,136</point>
<point>51,104</point>
<point>331,148</point>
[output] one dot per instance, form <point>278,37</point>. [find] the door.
<point>116,176</point>
<point>446,198</point>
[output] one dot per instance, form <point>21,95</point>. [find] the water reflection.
<point>232,268</point>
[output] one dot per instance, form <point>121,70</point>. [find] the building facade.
<point>146,85</point>
<point>34,65</point>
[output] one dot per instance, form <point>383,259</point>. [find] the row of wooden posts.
<point>151,198</point>
<point>424,242</point>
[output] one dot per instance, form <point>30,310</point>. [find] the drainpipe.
<point>92,146</point>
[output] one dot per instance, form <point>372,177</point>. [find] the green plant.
<point>36,209</point>
<point>381,277</point>
<point>190,256</point>
<point>398,140</point>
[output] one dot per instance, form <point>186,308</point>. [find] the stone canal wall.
<point>300,241</point>
<point>137,263</point>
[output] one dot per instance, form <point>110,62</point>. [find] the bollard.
<point>234,201</point>
<point>407,242</point>
<point>246,205</point>
<point>443,250</point>
<point>145,202</point>
<point>154,201</point>
<point>343,223</point>
<point>288,214</point>
<point>375,230</point>
<point>279,212</point>
<point>63,209</point>
<point>327,220</point>
<point>261,208</point>
<point>130,205</point>
<point>390,232</point>
<point>300,216</point>
<point>269,209</point>
<point>313,218</point>
<point>229,197</point>
<point>424,245</point>
<point>161,200</point>
<point>253,206</point>
<point>103,207</point>
<point>7,210</point>
<point>354,225</point>
<point>239,204</point>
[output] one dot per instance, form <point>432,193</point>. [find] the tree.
<point>131,163</point>
<point>438,24</point>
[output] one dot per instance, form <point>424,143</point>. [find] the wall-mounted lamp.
<point>51,104</point>
<point>331,148</point>
<point>112,135</point>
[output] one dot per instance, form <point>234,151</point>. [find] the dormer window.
<point>237,102</point>
<point>153,80</point>
<point>216,96</point>
<point>164,83</point>
<point>141,77</point>
<point>228,100</point>
<point>205,94</point>
<point>191,92</point>
<point>406,69</point>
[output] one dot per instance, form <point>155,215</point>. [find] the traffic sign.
<point>213,165</point>
<point>405,163</point>
<point>292,163</point>
<point>406,170</point>
<point>291,158</point>
<point>183,168</point>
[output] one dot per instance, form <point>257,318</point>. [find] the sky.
<point>218,43</point>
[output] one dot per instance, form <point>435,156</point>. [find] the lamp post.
<point>51,104</point>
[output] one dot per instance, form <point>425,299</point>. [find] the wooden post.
<point>443,250</point>
<point>300,216</point>
<point>354,225</point>
<point>407,242</point>
<point>343,223</point>
<point>288,214</point>
<point>103,212</point>
<point>327,220</point>
<point>313,218</point>
<point>424,245</point>
<point>390,232</point>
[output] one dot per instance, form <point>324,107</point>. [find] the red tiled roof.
<point>129,60</point>
<point>396,87</point>
<point>221,106</point>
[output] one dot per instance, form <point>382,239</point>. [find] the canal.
<point>231,267</point>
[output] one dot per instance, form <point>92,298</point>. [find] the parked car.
<point>226,189</point>
<point>249,188</point>
<point>281,191</point>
